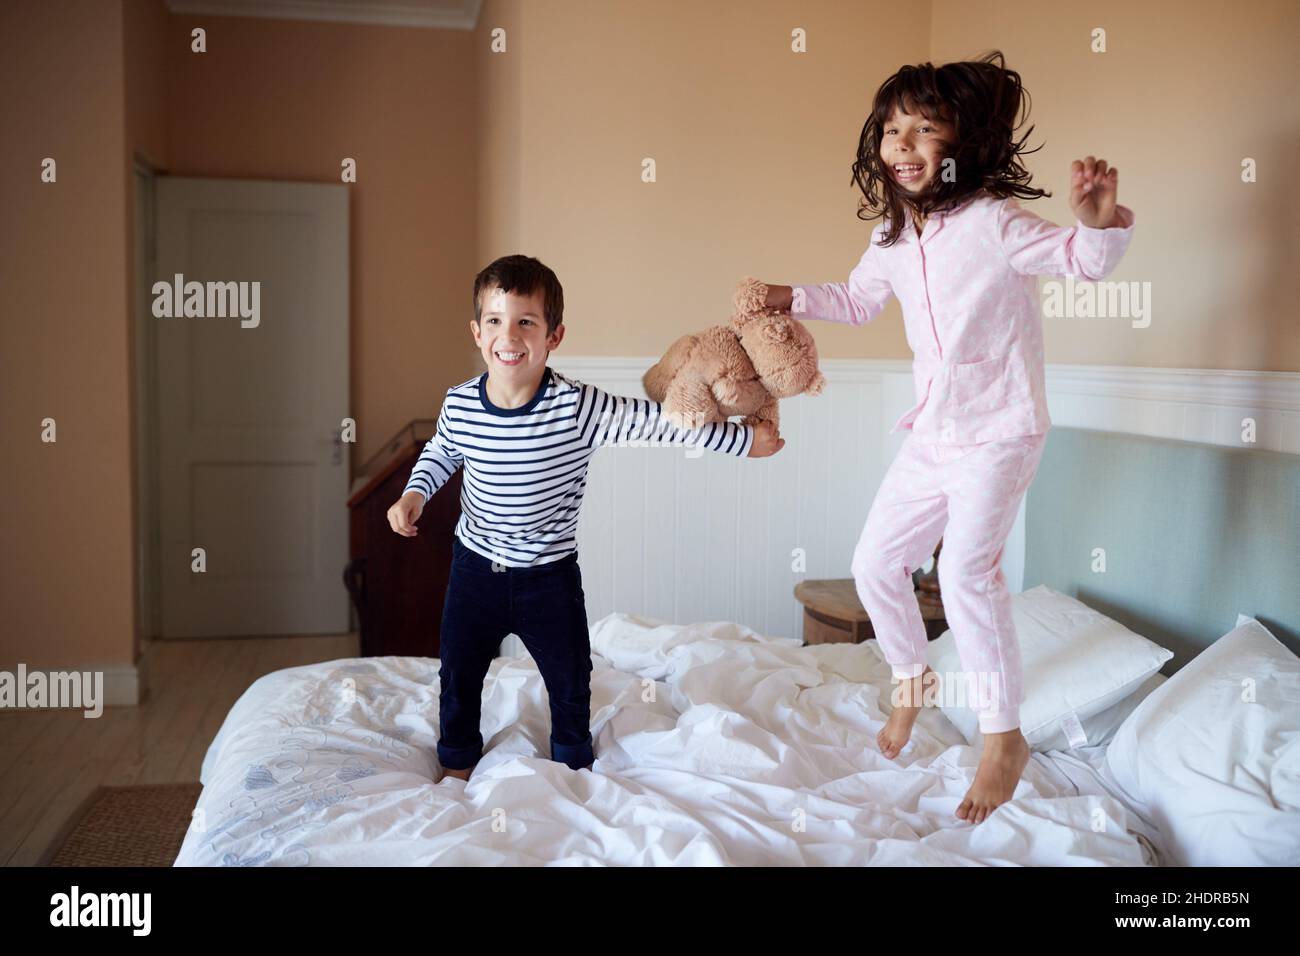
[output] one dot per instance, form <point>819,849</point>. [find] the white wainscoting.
<point>701,537</point>
<point>710,537</point>
<point>1189,404</point>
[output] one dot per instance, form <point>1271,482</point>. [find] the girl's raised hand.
<point>1093,189</point>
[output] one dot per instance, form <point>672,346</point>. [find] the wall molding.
<point>431,14</point>
<point>1279,390</point>
<point>1186,404</point>
<point>1200,405</point>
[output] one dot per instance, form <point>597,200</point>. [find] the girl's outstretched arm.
<point>856,302</point>
<point>1088,250</point>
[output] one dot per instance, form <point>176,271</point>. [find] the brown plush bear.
<point>741,368</point>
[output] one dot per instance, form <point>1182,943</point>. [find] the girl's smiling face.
<point>912,147</point>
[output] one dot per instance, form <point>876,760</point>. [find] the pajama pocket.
<point>988,386</point>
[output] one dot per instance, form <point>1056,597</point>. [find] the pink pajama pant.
<point>968,495</point>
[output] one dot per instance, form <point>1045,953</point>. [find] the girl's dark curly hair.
<point>981,99</point>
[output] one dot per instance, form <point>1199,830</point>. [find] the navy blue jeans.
<point>545,606</point>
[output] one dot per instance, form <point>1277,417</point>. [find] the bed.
<point>717,745</point>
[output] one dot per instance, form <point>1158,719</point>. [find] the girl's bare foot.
<point>458,774</point>
<point>910,693</point>
<point>1004,759</point>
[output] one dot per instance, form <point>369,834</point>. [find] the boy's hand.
<point>1093,190</point>
<point>403,515</point>
<point>766,441</point>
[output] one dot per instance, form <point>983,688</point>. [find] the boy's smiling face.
<point>911,148</point>
<point>512,336</point>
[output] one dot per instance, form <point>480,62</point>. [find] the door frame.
<point>144,175</point>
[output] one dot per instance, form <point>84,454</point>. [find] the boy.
<point>525,435</point>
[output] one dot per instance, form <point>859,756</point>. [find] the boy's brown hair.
<point>522,275</point>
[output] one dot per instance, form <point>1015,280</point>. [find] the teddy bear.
<point>740,368</point>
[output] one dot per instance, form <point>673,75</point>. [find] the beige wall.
<point>465,155</point>
<point>754,144</point>
<point>1183,93</point>
<point>498,135</point>
<point>66,566</point>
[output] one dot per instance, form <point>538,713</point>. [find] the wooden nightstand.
<point>832,612</point>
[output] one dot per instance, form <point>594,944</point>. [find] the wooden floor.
<point>51,760</point>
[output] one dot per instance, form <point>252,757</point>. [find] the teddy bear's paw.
<point>750,297</point>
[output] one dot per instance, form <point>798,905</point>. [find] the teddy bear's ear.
<point>776,331</point>
<point>750,297</point>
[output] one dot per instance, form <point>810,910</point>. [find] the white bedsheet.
<point>714,745</point>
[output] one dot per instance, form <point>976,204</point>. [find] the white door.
<point>251,465</point>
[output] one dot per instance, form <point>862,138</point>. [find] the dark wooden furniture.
<point>833,614</point>
<point>398,584</point>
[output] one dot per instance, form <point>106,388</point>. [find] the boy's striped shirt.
<point>526,467</point>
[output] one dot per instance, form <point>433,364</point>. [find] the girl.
<point>937,159</point>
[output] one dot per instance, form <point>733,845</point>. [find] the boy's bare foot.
<point>458,774</point>
<point>1004,759</point>
<point>893,737</point>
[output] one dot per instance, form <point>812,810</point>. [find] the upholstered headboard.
<point>1190,535</point>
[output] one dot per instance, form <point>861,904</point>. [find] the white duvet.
<point>714,745</point>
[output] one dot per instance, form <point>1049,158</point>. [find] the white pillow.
<point>1075,664</point>
<point>1100,728</point>
<point>1218,774</point>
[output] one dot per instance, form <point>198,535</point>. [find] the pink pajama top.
<point>971,310</point>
